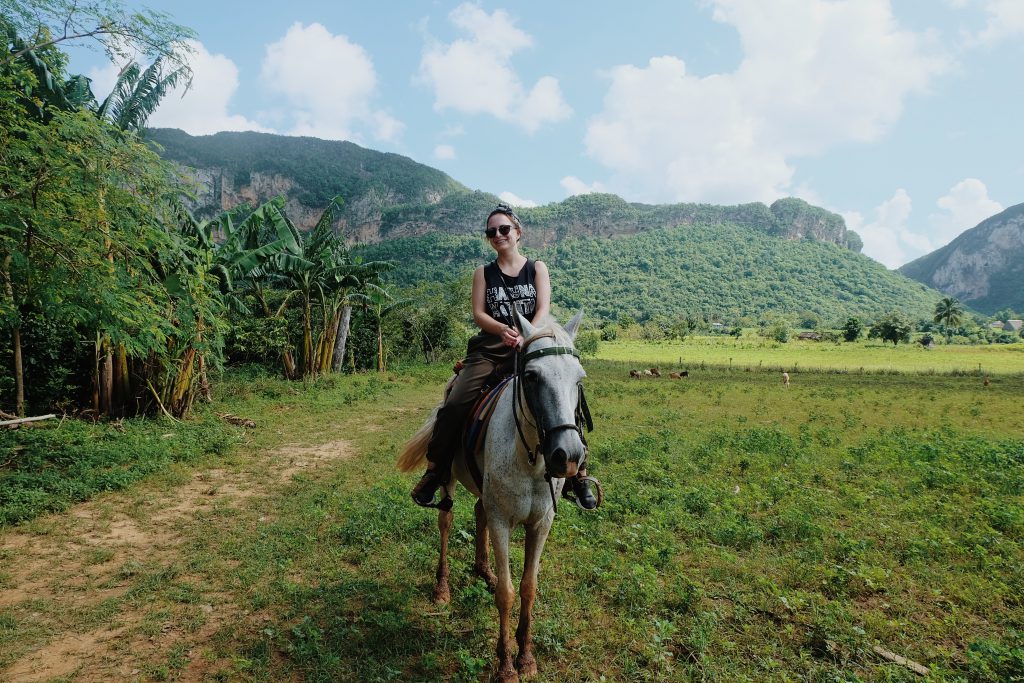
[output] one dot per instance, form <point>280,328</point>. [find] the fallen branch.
<point>919,669</point>
<point>7,416</point>
<point>22,420</point>
<point>235,420</point>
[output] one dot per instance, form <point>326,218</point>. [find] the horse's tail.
<point>415,452</point>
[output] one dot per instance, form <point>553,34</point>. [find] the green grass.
<point>52,465</point>
<point>750,533</point>
<point>874,356</point>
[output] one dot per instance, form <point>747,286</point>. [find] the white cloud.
<point>516,200</point>
<point>473,75</point>
<point>575,186</point>
<point>444,152</point>
<point>203,109</point>
<point>814,74</point>
<point>966,205</point>
<point>1005,20</point>
<point>890,239</point>
<point>329,83</point>
<point>887,238</point>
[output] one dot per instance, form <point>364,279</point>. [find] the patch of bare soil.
<point>90,554</point>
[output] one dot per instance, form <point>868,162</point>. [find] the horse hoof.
<point>527,666</point>
<point>506,676</point>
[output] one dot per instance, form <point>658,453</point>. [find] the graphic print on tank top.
<point>500,286</point>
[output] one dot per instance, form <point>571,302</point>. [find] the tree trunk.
<point>19,375</point>
<point>341,338</point>
<point>19,372</point>
<point>307,338</point>
<point>106,380</point>
<point>121,386</point>
<point>380,346</point>
<point>330,334</point>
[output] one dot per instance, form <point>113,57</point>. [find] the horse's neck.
<point>503,420</point>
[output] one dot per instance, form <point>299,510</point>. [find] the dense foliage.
<point>319,169</point>
<point>392,196</point>
<point>722,272</point>
<point>114,300</point>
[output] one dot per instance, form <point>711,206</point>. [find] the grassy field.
<point>874,356</point>
<point>750,533</point>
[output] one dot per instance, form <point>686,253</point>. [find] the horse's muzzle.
<point>565,454</point>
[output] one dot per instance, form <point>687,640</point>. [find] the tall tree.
<point>949,313</point>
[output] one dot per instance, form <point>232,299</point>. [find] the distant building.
<point>813,336</point>
<point>1013,325</point>
<point>997,325</point>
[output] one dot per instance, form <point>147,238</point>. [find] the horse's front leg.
<point>442,593</point>
<point>503,597</point>
<point>535,539</point>
<point>482,565</point>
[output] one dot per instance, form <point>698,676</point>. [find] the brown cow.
<point>656,372</point>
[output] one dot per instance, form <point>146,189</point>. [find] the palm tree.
<point>949,313</point>
<point>138,93</point>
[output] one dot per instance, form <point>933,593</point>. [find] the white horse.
<point>533,431</point>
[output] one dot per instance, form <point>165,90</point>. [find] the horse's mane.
<point>549,324</point>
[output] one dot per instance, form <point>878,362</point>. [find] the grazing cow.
<point>634,373</point>
<point>674,375</point>
<point>684,373</point>
<point>985,381</point>
<point>656,372</point>
<point>648,373</point>
<point>785,379</point>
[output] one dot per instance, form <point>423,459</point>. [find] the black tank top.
<point>500,286</point>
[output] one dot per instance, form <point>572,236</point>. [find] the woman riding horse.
<point>510,280</point>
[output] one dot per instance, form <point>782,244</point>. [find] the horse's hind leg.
<point>482,565</point>
<point>535,538</point>
<point>444,524</point>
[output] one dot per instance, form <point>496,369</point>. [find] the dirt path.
<point>73,579</point>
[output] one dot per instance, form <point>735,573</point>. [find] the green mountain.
<point>611,256</point>
<point>389,196</point>
<point>983,267</point>
<point>727,270</point>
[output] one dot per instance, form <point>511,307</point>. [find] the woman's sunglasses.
<point>493,232</point>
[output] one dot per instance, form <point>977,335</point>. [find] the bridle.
<point>521,403</point>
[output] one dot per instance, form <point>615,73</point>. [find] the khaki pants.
<point>484,354</point>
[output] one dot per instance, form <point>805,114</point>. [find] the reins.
<point>521,398</point>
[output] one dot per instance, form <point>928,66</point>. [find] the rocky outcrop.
<point>983,267</point>
<point>389,196</point>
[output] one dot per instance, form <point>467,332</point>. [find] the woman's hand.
<point>510,336</point>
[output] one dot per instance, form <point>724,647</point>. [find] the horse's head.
<point>552,379</point>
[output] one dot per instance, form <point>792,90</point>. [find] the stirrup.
<point>570,494</point>
<point>445,504</point>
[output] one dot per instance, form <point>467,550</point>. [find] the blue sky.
<point>901,116</point>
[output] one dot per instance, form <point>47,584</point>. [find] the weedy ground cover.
<point>858,357</point>
<point>750,533</point>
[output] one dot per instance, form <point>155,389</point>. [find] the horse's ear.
<point>526,328</point>
<point>573,326</point>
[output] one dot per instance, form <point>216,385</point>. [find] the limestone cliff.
<point>389,196</point>
<point>983,267</point>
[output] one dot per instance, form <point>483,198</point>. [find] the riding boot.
<point>425,489</point>
<point>581,490</point>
